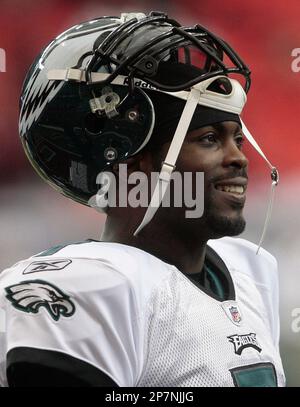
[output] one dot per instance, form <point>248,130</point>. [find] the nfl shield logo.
<point>235,314</point>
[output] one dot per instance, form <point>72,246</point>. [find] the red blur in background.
<point>264,34</point>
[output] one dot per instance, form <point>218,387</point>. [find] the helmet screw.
<point>149,65</point>
<point>133,115</point>
<point>110,154</point>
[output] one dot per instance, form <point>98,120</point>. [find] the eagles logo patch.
<point>31,295</point>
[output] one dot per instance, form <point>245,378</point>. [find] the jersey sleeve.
<point>272,299</point>
<point>261,268</point>
<point>264,271</point>
<point>85,312</point>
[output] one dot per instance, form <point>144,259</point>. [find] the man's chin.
<point>221,226</point>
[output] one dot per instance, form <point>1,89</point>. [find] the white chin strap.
<point>274,177</point>
<point>199,94</point>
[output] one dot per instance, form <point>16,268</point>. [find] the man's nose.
<point>233,155</point>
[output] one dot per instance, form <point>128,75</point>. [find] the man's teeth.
<point>235,189</point>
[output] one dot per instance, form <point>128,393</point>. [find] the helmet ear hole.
<point>94,124</point>
<point>221,85</point>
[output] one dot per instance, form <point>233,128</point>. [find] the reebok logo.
<point>52,265</point>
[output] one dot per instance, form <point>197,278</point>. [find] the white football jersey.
<point>143,322</point>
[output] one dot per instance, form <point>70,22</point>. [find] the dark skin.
<point>215,150</point>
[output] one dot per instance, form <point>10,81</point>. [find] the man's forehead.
<point>225,126</point>
<point>228,125</point>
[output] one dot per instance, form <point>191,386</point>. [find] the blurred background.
<point>33,217</point>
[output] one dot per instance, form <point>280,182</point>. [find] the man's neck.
<point>187,255</point>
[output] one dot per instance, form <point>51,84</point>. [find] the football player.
<point>163,299</point>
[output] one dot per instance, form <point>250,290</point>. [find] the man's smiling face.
<point>216,150</point>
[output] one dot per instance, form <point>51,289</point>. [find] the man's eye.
<point>239,140</point>
<point>208,139</point>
